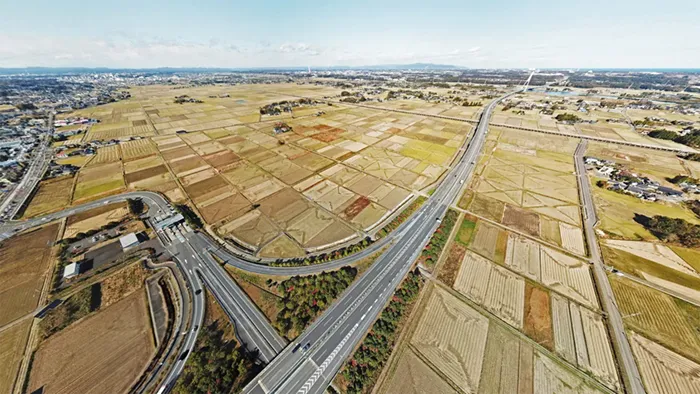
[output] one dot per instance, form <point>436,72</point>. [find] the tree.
<point>663,134</point>
<point>135,205</point>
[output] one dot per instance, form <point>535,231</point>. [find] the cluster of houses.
<point>624,181</point>
<point>281,127</point>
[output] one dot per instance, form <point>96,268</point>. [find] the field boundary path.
<point>623,352</point>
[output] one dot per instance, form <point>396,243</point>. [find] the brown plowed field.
<point>24,260</point>
<point>537,323</point>
<point>355,208</point>
<point>145,174</point>
<point>520,219</point>
<point>221,160</point>
<point>103,353</point>
<point>203,187</point>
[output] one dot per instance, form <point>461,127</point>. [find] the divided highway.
<point>317,354</point>
<point>627,365</point>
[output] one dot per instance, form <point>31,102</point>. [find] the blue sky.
<point>207,33</point>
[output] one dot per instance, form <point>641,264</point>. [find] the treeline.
<point>305,297</point>
<point>691,138</point>
<point>405,214</point>
<point>683,178</point>
<point>324,257</point>
<point>432,251</point>
<point>672,230</point>
<point>217,365</point>
<point>567,117</point>
<point>368,360</point>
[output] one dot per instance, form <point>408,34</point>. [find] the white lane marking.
<point>319,371</point>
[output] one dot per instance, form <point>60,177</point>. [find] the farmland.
<point>454,348</point>
<point>617,213</point>
<point>24,261</point>
<point>98,181</point>
<point>95,218</point>
<point>328,180</point>
<point>52,195</point>
<point>562,273</point>
<point>580,337</point>
<point>525,182</point>
<point>662,370</point>
<point>456,355</point>
<point>494,287</point>
<point>523,110</point>
<point>658,316</point>
<point>12,343</point>
<point>119,348</point>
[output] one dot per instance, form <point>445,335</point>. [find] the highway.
<point>252,328</point>
<point>32,175</point>
<point>628,367</point>
<point>332,337</point>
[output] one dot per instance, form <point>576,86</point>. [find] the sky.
<point>263,33</point>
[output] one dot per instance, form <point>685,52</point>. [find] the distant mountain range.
<point>173,70</point>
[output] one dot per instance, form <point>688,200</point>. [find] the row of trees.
<point>305,297</point>
<point>691,138</point>
<point>217,366</point>
<point>432,251</point>
<point>325,257</point>
<point>405,214</point>
<point>363,368</point>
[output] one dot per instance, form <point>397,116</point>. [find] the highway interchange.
<point>333,336</point>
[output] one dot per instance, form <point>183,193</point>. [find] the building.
<point>71,270</point>
<point>128,241</point>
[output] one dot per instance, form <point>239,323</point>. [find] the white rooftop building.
<point>71,270</point>
<point>129,240</point>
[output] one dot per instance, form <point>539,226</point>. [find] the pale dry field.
<point>559,272</point>
<point>94,222</point>
<point>581,338</point>
<point>452,336</point>
<point>105,352</point>
<point>12,343</point>
<point>664,371</point>
<point>497,289</point>
<point>660,254</point>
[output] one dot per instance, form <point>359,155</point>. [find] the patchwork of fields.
<point>474,354</point>
<point>332,179</point>
<point>527,182</point>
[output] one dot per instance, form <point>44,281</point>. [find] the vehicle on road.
<point>306,347</point>
<point>296,348</point>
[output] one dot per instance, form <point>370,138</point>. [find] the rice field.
<point>453,348</point>
<point>526,182</point>
<point>658,316</point>
<point>555,270</point>
<point>580,337</point>
<point>440,338</point>
<point>497,289</point>
<point>662,370</point>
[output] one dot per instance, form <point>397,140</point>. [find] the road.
<point>333,336</point>
<point>198,269</point>
<point>625,358</point>
<point>252,328</point>
<point>32,175</point>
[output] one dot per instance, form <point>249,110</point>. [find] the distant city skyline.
<point>505,34</point>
